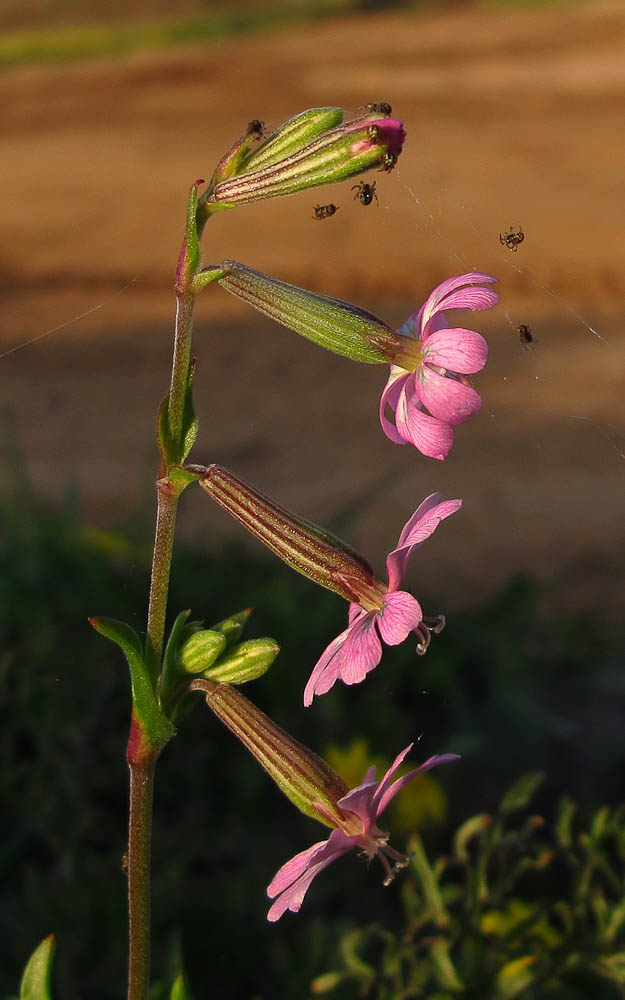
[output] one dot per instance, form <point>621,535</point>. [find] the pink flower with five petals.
<point>386,610</point>
<point>360,808</point>
<point>436,394</point>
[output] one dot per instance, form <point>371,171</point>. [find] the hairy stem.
<point>139,849</point>
<point>141,757</point>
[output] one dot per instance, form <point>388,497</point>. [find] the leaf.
<point>156,728</point>
<point>566,811</point>
<point>326,983</point>
<point>443,966</point>
<point>520,794</point>
<point>35,983</point>
<point>179,990</point>
<point>171,669</point>
<point>612,967</point>
<point>515,977</point>
<point>429,884</point>
<point>472,827</point>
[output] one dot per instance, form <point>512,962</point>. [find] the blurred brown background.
<point>514,117</point>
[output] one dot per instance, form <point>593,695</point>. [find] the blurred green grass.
<point>125,32</point>
<point>519,684</point>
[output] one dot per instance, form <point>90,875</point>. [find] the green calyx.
<point>338,326</point>
<point>305,778</point>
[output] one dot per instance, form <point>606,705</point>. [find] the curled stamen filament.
<point>431,624</point>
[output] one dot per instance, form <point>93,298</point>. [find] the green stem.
<point>141,758</point>
<point>139,850</point>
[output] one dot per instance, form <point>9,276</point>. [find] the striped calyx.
<point>306,779</point>
<point>312,551</point>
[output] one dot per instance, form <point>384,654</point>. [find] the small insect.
<point>512,240</point>
<point>256,127</point>
<point>373,132</point>
<point>525,335</point>
<point>365,193</point>
<point>389,161</point>
<point>382,107</point>
<point>324,211</point>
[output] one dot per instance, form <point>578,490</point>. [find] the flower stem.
<point>141,755</point>
<point>139,844</point>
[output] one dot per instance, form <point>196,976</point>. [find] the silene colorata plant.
<point>427,393</point>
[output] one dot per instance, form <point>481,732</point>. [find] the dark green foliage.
<point>511,686</point>
<point>518,909</point>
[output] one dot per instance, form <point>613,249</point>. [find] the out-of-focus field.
<point>514,117</point>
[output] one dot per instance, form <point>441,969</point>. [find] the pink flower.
<point>385,609</point>
<point>436,394</point>
<point>360,809</point>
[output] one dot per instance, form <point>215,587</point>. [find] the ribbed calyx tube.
<point>312,551</point>
<point>338,326</point>
<point>306,779</point>
<point>338,154</point>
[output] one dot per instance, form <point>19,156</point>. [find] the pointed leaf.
<point>170,674</point>
<point>472,827</point>
<point>520,794</point>
<point>515,977</point>
<point>35,983</point>
<point>443,966</point>
<point>427,879</point>
<point>179,990</point>
<point>157,730</point>
<point>566,811</point>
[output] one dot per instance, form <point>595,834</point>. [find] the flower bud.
<point>306,779</point>
<point>244,662</point>
<point>312,551</point>
<point>294,135</point>
<point>232,627</point>
<point>342,152</point>
<point>233,162</point>
<point>336,325</point>
<point>201,650</point>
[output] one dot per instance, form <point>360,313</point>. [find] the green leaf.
<point>443,966</point>
<point>521,793</point>
<point>170,674</point>
<point>472,827</point>
<point>174,450</point>
<point>179,990</point>
<point>35,983</point>
<point>189,419</point>
<point>566,812</point>
<point>326,983</point>
<point>428,882</point>
<point>515,977</point>
<point>612,967</point>
<point>156,728</point>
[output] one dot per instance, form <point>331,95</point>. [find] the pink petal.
<point>446,399</point>
<point>292,881</point>
<point>430,436</point>
<point>451,294</point>
<point>326,670</point>
<point>400,615</point>
<point>387,778</point>
<point>389,397</point>
<point>349,657</point>
<point>417,529</point>
<point>458,350</point>
<point>385,794</point>
<point>362,651</point>
<point>358,801</point>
